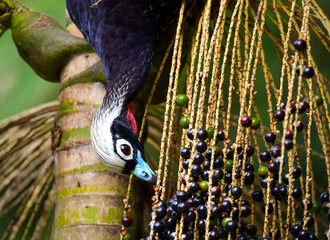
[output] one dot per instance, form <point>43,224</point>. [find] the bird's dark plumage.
<point>123,33</point>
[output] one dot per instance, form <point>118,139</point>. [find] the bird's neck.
<point>116,102</point>
<point>117,108</point>
<point>131,119</point>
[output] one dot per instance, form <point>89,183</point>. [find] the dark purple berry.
<point>257,195</point>
<point>226,206</point>
<point>198,201</point>
<point>312,235</point>
<point>236,192</point>
<point>215,191</point>
<point>295,229</point>
<point>217,174</point>
<point>279,114</point>
<point>182,196</point>
<point>228,187</point>
<point>324,197</point>
<point>185,153</point>
<point>270,137</point>
<point>292,108</point>
<point>310,222</point>
<point>289,134</point>
<point>282,191</point>
<point>309,204</point>
<point>276,150</point>
<point>296,173</point>
<point>251,229</point>
<point>272,168</point>
<point>303,235</point>
<point>190,216</point>
<point>202,211</point>
<point>277,162</point>
<point>228,177</point>
<point>221,135</point>
<point>249,151</point>
<point>198,158</point>
<point>185,164</point>
<point>285,179</point>
<point>308,72</point>
<point>270,208</point>
<point>190,133</point>
<point>159,226</point>
<point>302,107</point>
<point>326,206</point>
<point>202,134</point>
<point>170,222</point>
<point>193,187</point>
<point>249,167</point>
<point>182,207</point>
<point>245,211</point>
<point>298,70</point>
<point>265,156</point>
<point>300,45</point>
<point>283,105</point>
<point>246,121</point>
<point>300,126</point>
<point>201,224</point>
<point>288,144</point>
<point>239,148</point>
<point>264,183</point>
<point>218,163</point>
<point>296,192</point>
<point>196,170</point>
<point>127,221</point>
<point>231,226</point>
<point>214,235</point>
<point>160,213</point>
<point>248,178</point>
<point>215,211</point>
<point>201,146</point>
<point>208,154</point>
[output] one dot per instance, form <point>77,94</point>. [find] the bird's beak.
<point>143,171</point>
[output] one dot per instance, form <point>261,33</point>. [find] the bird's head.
<point>116,144</point>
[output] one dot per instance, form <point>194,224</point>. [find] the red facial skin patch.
<point>130,118</point>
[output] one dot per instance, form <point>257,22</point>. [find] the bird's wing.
<point>123,33</point>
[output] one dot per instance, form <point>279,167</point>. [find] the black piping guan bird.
<point>123,33</point>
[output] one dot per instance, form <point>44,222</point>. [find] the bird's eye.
<point>125,149</point>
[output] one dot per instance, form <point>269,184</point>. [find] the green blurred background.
<point>21,88</point>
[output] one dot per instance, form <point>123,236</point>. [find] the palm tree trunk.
<point>89,202</point>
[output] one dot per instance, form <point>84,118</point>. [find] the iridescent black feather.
<point>123,33</point>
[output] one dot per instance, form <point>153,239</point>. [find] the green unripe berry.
<point>204,185</point>
<point>255,123</point>
<point>128,236</point>
<point>210,132</point>
<point>181,100</point>
<point>316,207</point>
<point>184,122</point>
<point>224,222</point>
<point>229,165</point>
<point>263,171</point>
<point>213,223</point>
<point>319,100</point>
<point>217,149</point>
